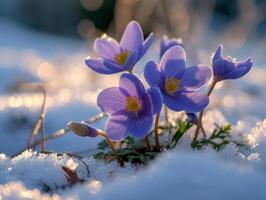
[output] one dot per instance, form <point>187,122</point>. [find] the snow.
<point>190,176</point>
<point>181,173</point>
<point>173,175</point>
<point>16,191</point>
<point>45,170</point>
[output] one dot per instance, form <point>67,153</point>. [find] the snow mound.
<point>188,176</point>
<point>173,175</point>
<point>45,172</point>
<point>17,191</point>
<point>35,170</point>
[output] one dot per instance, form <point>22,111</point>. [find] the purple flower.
<point>82,129</point>
<point>117,57</point>
<point>227,68</point>
<point>167,43</point>
<point>179,85</point>
<point>130,107</point>
<point>192,118</point>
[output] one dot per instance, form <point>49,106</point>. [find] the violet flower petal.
<point>152,74</point>
<point>117,127</point>
<point>187,101</point>
<point>113,66</point>
<point>146,45</point>
<point>173,62</point>
<point>192,118</point>
<point>222,66</point>
<point>227,68</point>
<point>242,68</point>
<point>167,43</point>
<point>155,98</point>
<point>82,129</point>
<point>106,48</point>
<point>112,100</point>
<point>195,77</point>
<point>98,66</point>
<point>140,126</point>
<point>218,53</point>
<point>132,37</point>
<point>132,59</point>
<point>92,132</point>
<point>219,67</point>
<point>132,85</point>
<point>174,69</point>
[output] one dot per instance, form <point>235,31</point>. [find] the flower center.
<point>133,104</point>
<point>171,85</point>
<point>122,57</point>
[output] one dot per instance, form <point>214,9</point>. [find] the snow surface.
<point>174,175</point>
<point>182,173</point>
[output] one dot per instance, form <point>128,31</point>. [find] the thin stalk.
<point>166,116</point>
<point>156,132</point>
<point>95,118</point>
<point>199,123</point>
<point>42,135</point>
<point>63,131</point>
<point>203,131</point>
<point>57,134</point>
<point>111,145</point>
<point>147,142</point>
<point>60,133</point>
<point>39,121</point>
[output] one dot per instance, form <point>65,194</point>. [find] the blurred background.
<point>48,41</point>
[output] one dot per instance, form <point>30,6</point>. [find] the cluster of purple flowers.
<point>130,107</point>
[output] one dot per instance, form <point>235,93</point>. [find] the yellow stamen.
<point>133,104</point>
<point>122,57</point>
<point>172,85</point>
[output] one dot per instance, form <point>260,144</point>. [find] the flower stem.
<point>199,123</point>
<point>42,135</point>
<point>203,131</point>
<point>147,142</point>
<point>40,121</point>
<point>111,145</point>
<point>166,116</point>
<point>156,133</point>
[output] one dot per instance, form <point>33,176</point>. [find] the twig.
<point>111,145</point>
<point>95,118</point>
<point>156,134</point>
<point>147,142</point>
<point>57,134</point>
<point>199,123</point>
<point>42,135</point>
<point>166,115</point>
<point>203,131</point>
<point>60,133</point>
<point>40,122</point>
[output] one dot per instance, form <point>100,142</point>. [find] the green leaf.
<point>218,140</point>
<point>103,145</point>
<point>182,129</point>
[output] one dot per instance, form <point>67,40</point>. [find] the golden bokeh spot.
<point>172,85</point>
<point>122,57</point>
<point>133,104</point>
